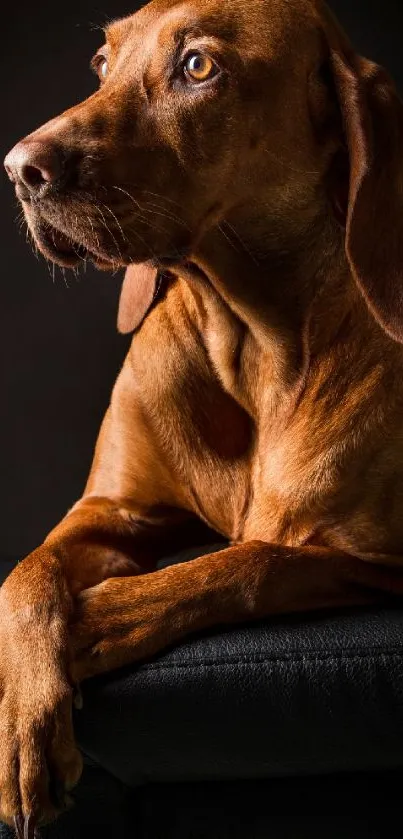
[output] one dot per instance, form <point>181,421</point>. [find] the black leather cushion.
<point>295,696</point>
<point>291,697</point>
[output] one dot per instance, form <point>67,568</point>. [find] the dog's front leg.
<point>100,538</point>
<point>121,621</point>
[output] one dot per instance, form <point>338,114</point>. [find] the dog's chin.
<point>63,248</point>
<point>65,251</point>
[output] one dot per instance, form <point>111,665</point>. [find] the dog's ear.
<point>372,115</point>
<point>140,286</point>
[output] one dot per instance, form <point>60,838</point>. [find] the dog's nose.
<point>35,164</point>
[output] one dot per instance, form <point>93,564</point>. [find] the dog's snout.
<point>34,164</point>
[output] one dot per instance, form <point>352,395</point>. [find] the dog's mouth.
<point>68,235</point>
<point>60,247</point>
<point>63,249</point>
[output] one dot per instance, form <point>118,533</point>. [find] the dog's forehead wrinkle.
<point>118,29</point>
<point>185,22</point>
<point>163,23</point>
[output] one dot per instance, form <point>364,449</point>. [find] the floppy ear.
<point>373,124</point>
<point>139,290</point>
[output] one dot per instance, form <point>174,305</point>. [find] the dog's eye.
<point>199,67</point>
<point>103,68</point>
<point>99,65</point>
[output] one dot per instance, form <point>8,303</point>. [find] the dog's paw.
<point>39,761</point>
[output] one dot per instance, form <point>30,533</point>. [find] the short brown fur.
<point>262,395</point>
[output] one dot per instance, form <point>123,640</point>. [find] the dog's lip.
<point>61,248</point>
<point>58,247</point>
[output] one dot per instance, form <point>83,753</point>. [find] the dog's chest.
<point>230,466</point>
<point>203,436</point>
<point>266,474</point>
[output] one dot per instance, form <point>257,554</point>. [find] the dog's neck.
<point>271,271</point>
<point>289,295</point>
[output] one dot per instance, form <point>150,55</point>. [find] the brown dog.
<point>248,166</point>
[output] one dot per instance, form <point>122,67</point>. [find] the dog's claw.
<point>29,828</point>
<point>19,827</point>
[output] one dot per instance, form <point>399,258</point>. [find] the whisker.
<point>51,274</point>
<point>136,203</point>
<point>241,242</point>
<point>227,238</point>
<point>93,231</point>
<point>96,207</point>
<point>162,197</point>
<point>289,166</point>
<point>124,238</point>
<point>143,242</point>
<point>148,192</point>
<point>166,215</point>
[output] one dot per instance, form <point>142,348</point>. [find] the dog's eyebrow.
<point>114,29</point>
<point>209,26</point>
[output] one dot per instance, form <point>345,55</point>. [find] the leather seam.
<point>310,657</point>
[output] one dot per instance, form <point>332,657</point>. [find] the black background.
<point>60,351</point>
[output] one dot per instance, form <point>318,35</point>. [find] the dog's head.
<point>206,107</point>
